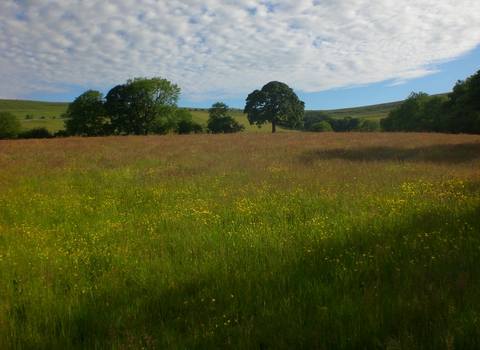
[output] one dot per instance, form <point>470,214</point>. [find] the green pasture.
<point>244,241</point>
<point>37,109</point>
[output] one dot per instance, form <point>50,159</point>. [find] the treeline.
<point>457,113</point>
<point>141,106</point>
<point>318,121</point>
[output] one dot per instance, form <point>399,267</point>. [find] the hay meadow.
<point>245,241</point>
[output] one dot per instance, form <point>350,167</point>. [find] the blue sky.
<point>333,53</point>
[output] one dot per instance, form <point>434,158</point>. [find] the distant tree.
<point>277,104</point>
<point>186,124</point>
<point>10,126</point>
<point>419,112</point>
<point>461,113</point>
<point>85,116</point>
<point>141,104</point>
<point>368,125</point>
<point>312,117</point>
<point>219,122</point>
<point>345,125</point>
<point>322,126</point>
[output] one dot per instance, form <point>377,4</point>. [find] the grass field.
<point>245,241</point>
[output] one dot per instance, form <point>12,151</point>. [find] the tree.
<point>322,126</point>
<point>136,106</point>
<point>277,104</point>
<point>368,125</point>
<point>219,122</point>
<point>85,116</point>
<point>461,113</point>
<point>186,124</point>
<point>419,112</point>
<point>10,126</point>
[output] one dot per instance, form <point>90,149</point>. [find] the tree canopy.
<point>10,126</point>
<point>86,115</point>
<point>420,112</point>
<point>275,103</point>
<point>322,126</point>
<point>460,113</point>
<point>137,105</point>
<point>219,122</point>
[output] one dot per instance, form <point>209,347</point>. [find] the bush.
<point>36,133</point>
<point>61,133</point>
<point>369,126</point>
<point>321,127</point>
<point>10,126</point>
<point>189,127</point>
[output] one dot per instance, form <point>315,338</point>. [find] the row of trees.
<point>144,106</point>
<point>459,113</point>
<point>318,121</point>
<point>138,107</point>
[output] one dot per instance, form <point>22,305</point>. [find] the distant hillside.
<point>370,112</point>
<point>36,109</point>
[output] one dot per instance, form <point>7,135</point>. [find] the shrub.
<point>189,127</point>
<point>10,126</point>
<point>36,133</point>
<point>321,127</point>
<point>61,133</point>
<point>368,125</point>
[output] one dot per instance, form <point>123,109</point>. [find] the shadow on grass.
<point>452,154</point>
<point>309,301</point>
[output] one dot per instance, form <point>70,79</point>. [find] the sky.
<point>332,53</point>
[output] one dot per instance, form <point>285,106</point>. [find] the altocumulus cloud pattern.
<point>222,49</point>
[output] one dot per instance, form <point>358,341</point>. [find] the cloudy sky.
<point>333,53</point>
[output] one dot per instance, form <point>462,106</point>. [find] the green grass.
<point>246,241</point>
<point>38,109</point>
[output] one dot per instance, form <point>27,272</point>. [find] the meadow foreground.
<point>245,241</point>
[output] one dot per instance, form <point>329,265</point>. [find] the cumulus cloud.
<point>226,49</point>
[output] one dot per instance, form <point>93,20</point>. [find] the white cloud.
<point>221,48</point>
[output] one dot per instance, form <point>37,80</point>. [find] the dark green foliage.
<point>346,124</point>
<point>322,126</point>
<point>219,122</point>
<point>462,110</point>
<point>312,117</point>
<point>420,112</point>
<point>368,125</point>
<point>141,105</point>
<point>185,123</point>
<point>189,127</point>
<point>277,104</point>
<point>61,133</point>
<point>10,126</point>
<point>338,125</point>
<point>40,132</point>
<point>85,116</point>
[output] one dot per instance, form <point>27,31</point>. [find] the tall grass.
<point>240,241</point>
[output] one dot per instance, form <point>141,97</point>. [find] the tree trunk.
<point>274,128</point>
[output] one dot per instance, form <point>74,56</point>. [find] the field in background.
<point>49,110</point>
<point>245,241</point>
